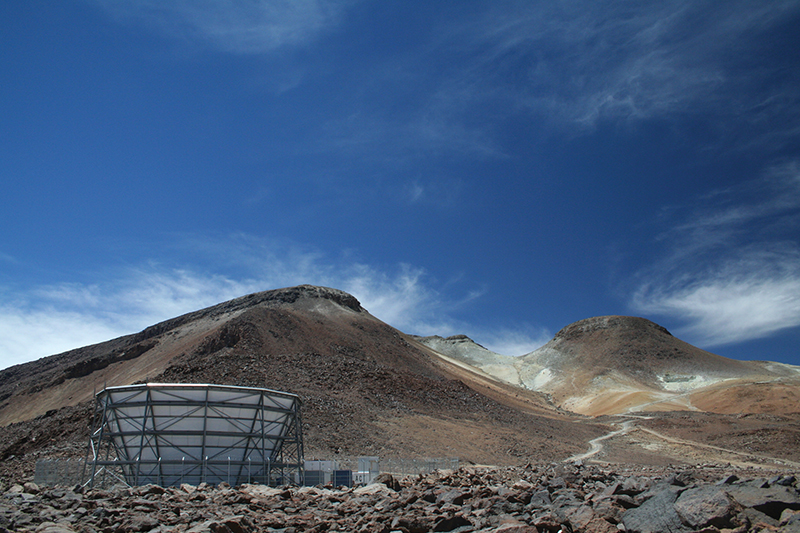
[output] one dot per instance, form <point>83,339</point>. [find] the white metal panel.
<point>184,432</point>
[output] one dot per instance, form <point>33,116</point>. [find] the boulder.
<point>656,515</point>
<point>388,480</point>
<point>771,501</point>
<point>454,496</point>
<point>373,488</point>
<point>449,523</point>
<point>707,506</point>
<point>790,521</point>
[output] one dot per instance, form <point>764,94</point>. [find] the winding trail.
<point>693,444</point>
<point>596,445</point>
<point>626,426</point>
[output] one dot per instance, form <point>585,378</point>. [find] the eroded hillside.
<point>614,364</point>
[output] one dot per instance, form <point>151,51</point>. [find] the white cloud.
<point>51,319</point>
<point>27,334</point>
<point>238,26</point>
<point>748,298</point>
<point>513,342</point>
<point>400,299</point>
<point>416,192</point>
<point>734,270</point>
<point>56,318</point>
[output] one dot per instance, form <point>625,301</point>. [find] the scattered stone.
<point>388,480</point>
<point>576,498</point>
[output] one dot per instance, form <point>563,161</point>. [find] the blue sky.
<point>498,169</point>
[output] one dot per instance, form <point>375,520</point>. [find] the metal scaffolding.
<point>169,434</point>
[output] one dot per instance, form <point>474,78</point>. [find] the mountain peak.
<point>612,322</point>
<point>290,295</point>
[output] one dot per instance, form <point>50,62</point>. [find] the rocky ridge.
<point>531,499</point>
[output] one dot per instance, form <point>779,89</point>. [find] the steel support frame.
<point>276,441</point>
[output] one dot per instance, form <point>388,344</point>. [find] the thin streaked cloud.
<point>573,65</point>
<point>747,297</point>
<point>733,273</point>
<point>632,61</point>
<point>241,27</point>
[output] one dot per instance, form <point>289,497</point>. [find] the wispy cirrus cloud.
<point>733,271</point>
<point>572,66</point>
<point>743,298</point>
<point>58,317</point>
<point>236,26</point>
<point>585,61</point>
<point>426,130</point>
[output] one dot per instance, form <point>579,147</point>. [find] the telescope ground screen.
<point>169,434</point>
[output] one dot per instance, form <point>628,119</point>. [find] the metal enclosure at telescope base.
<point>169,434</point>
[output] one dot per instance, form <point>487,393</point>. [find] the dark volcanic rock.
<point>656,515</point>
<point>707,506</point>
<point>487,500</point>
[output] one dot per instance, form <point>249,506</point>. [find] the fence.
<point>366,469</point>
<point>70,472</point>
<point>51,472</point>
<point>413,467</point>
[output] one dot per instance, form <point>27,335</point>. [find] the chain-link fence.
<point>415,467</point>
<point>71,472</point>
<point>366,469</point>
<point>52,472</point>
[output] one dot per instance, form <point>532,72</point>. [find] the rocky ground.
<point>535,498</point>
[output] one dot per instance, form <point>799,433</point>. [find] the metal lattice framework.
<point>168,434</point>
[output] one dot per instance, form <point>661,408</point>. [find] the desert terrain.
<point>606,390</point>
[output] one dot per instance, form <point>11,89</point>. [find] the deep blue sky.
<point>498,169</point>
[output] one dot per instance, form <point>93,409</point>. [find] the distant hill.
<point>464,349</point>
<point>617,364</point>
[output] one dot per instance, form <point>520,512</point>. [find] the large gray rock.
<point>707,506</point>
<point>771,501</point>
<point>656,515</point>
<point>790,521</point>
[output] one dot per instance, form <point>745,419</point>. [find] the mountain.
<point>618,364</point>
<point>462,348</point>
<point>367,388</point>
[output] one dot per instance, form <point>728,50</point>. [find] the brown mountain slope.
<point>619,364</point>
<point>367,388</point>
<point>640,348</point>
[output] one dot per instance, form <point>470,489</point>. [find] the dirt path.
<point>759,459</point>
<point>710,452</point>
<point>596,445</point>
